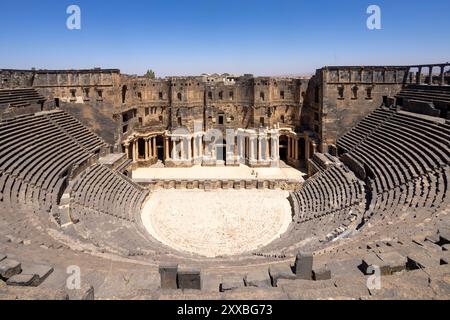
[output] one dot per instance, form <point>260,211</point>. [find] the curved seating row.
<point>106,191</point>
<point>74,128</point>
<point>36,159</point>
<point>19,97</point>
<point>406,158</point>
<point>335,189</point>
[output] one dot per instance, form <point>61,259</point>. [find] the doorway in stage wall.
<point>160,147</point>
<point>141,148</point>
<point>221,150</point>
<point>283,147</point>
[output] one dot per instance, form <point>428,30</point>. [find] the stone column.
<point>259,148</point>
<point>241,144</point>
<point>267,144</point>
<point>296,149</point>
<point>277,148</point>
<point>146,149</point>
<point>314,148</point>
<point>134,151</point>
<point>189,147</point>
<point>183,148</point>
<point>442,81</point>
<point>273,146</point>
<point>419,76</point>
<point>430,74</point>
<point>166,148</point>
<point>174,149</point>
<point>251,146</point>
<point>127,150</point>
<point>291,151</point>
<point>195,147</point>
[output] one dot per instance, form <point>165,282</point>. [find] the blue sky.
<point>188,37</point>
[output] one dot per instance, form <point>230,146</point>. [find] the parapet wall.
<point>203,184</point>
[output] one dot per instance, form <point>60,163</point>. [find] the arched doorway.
<point>283,147</point>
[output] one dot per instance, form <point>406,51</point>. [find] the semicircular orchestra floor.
<point>217,223</point>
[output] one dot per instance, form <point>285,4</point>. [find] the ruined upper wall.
<point>339,97</point>
<point>11,79</point>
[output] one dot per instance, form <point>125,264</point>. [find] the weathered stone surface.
<point>372,260</point>
<point>231,283</point>
<point>9,268</point>
<point>2,257</point>
<point>258,278</point>
<point>168,273</point>
<point>320,274</point>
<point>86,292</point>
<point>395,261</point>
<point>444,235</point>
<point>419,260</point>
<point>303,265</point>
<point>282,271</point>
<point>188,278</point>
<point>41,272</point>
<point>23,280</point>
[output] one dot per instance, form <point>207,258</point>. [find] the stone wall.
<point>90,95</point>
<point>283,184</point>
<point>10,79</point>
<point>339,97</point>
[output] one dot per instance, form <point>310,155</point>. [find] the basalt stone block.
<point>445,257</point>
<point>432,238</point>
<point>444,236</point>
<point>281,272</point>
<point>372,261</point>
<point>189,279</point>
<point>395,261</point>
<point>41,272</point>
<point>248,184</point>
<point>190,185</point>
<point>231,283</point>
<point>303,265</point>
<point>227,185</point>
<point>258,278</point>
<point>322,273</point>
<point>86,292</point>
<point>208,185</point>
<point>23,280</point>
<point>168,273</point>
<point>420,260</point>
<point>9,268</point>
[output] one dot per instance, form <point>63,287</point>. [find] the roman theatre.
<point>225,186</point>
